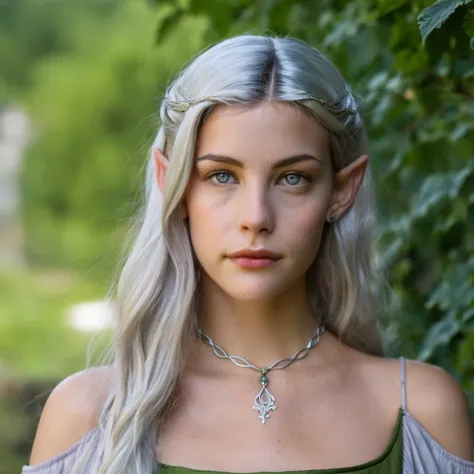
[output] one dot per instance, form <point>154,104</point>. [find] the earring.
<point>333,219</point>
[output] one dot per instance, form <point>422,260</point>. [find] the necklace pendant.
<point>264,403</point>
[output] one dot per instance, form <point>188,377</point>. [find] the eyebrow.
<point>280,164</point>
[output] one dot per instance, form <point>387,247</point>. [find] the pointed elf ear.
<point>161,168</point>
<point>347,183</point>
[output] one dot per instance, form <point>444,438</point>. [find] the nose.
<point>256,214</point>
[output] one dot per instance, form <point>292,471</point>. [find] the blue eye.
<point>220,177</point>
<point>294,179</point>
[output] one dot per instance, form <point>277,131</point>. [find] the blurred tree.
<point>32,30</point>
<point>95,112</point>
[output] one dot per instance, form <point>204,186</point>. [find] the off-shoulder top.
<point>411,450</point>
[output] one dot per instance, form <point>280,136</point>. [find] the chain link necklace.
<point>264,402</point>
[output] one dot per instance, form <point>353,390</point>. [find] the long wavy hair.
<point>157,293</point>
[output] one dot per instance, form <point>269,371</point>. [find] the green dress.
<point>389,462</point>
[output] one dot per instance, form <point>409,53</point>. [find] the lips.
<point>258,254</point>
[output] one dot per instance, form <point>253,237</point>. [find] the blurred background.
<point>80,85</point>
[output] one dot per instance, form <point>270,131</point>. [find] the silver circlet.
<point>184,105</point>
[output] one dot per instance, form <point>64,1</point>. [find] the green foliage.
<point>435,15</point>
<point>50,349</point>
<point>31,30</point>
<point>95,110</point>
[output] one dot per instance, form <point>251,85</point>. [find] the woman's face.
<point>262,181</point>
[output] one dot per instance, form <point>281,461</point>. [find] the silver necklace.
<point>264,402</point>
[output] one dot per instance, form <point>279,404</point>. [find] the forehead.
<point>268,131</point>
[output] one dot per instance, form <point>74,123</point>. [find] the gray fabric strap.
<point>403,383</point>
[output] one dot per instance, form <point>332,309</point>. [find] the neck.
<point>259,331</point>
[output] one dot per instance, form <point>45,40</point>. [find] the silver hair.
<point>157,298</point>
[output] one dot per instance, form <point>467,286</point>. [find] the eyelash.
<point>308,178</point>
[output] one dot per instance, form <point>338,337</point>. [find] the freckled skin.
<point>256,205</point>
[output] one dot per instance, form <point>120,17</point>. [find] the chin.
<point>254,290</point>
<point>252,296</point>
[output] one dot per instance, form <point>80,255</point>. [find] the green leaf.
<point>467,315</point>
<point>456,290</point>
<point>460,131</point>
<point>440,334</point>
<point>435,15</point>
<point>438,188</point>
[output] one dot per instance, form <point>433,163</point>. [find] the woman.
<point>247,337</point>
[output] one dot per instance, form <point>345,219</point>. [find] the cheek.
<point>306,226</point>
<point>206,216</point>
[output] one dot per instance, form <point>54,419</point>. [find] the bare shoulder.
<point>72,409</point>
<point>434,399</point>
<point>437,402</point>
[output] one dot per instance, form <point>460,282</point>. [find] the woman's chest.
<point>304,432</point>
